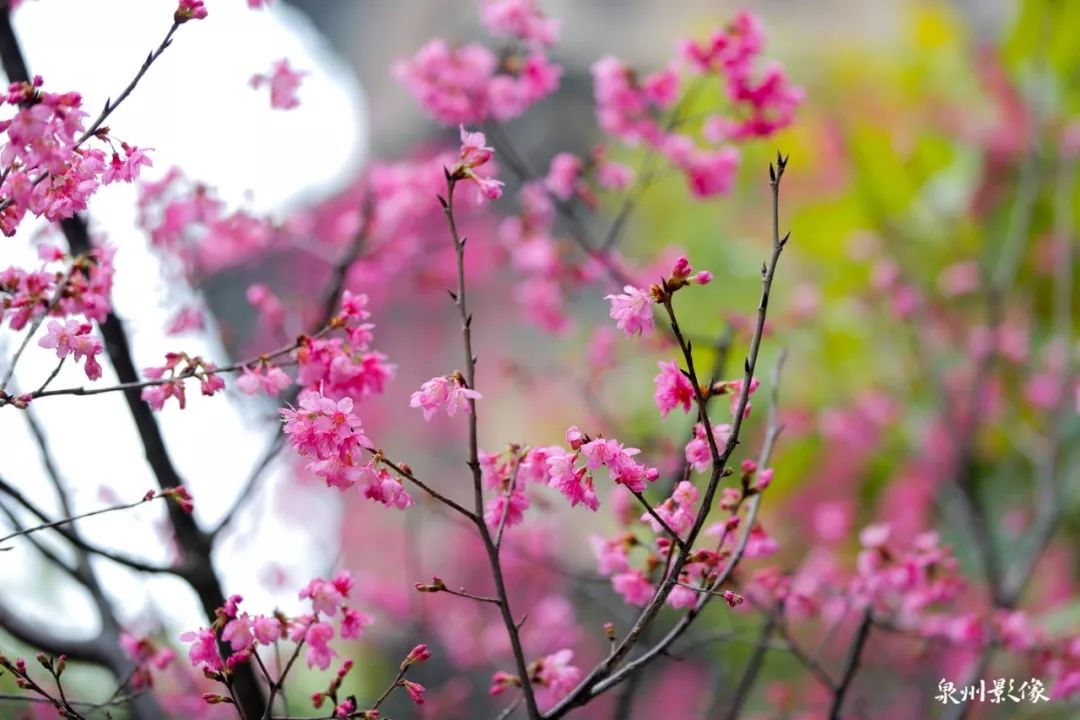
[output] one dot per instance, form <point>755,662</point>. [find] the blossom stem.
<point>604,675</point>
<point>190,373</point>
<point>512,627</point>
<point>74,518</point>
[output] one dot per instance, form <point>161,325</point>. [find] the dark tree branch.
<point>851,665</point>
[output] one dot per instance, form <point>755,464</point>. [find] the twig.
<point>663,523</point>
<point>604,676</point>
<point>408,475</point>
<point>509,709</point>
<point>74,518</point>
<point>753,667</point>
<point>851,665</point>
<point>73,538</point>
<point>474,461</point>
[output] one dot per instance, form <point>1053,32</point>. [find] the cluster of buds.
<point>346,706</point>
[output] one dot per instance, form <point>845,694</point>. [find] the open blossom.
<point>269,378</point>
<point>555,673</point>
<point>513,505</point>
<point>326,431</point>
<point>563,175</point>
<point>710,172</point>
<point>126,169</point>
<point>451,83</point>
<point>74,338</point>
<point>673,388</point>
<point>474,154</point>
<point>611,555</point>
<point>283,82</point>
<point>327,595</point>
<point>678,511</point>
<point>447,393</point>
<point>634,587</point>
<point>521,19</point>
<point>204,649</point>
<point>319,652</point>
<point>632,311</point>
<point>469,84</point>
<point>573,482</point>
<point>619,461</point>
<point>698,452</point>
<point>379,485</point>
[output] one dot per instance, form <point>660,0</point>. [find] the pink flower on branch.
<point>447,393</point>
<point>326,431</point>
<point>673,388</point>
<point>73,338</point>
<point>474,154</point>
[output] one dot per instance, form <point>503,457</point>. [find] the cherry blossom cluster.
<point>46,171</point>
<point>81,287</point>
<point>236,637</point>
<point>343,368</point>
<point>647,109</point>
<point>471,84</point>
<point>547,273</point>
<point>553,674</point>
<point>147,655</point>
<point>283,82</point>
<point>328,432</point>
<point>169,378</point>
<point>449,394</point>
<point>571,472</point>
<point>509,474</point>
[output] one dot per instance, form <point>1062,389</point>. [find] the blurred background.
<point>906,167</point>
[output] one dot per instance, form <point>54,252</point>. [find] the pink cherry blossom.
<point>326,431</point>
<point>573,482</point>
<point>521,19</point>
<point>451,83</point>
<point>563,175</point>
<point>283,82</point>
<point>555,673</point>
<point>632,311</point>
<point>73,338</point>
<point>204,649</point>
<point>319,653</point>
<point>634,587</point>
<point>673,389</point>
<point>353,623</point>
<point>446,393</point>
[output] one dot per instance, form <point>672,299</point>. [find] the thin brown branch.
<point>851,664</point>
<point>604,675</point>
<point>512,628</point>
